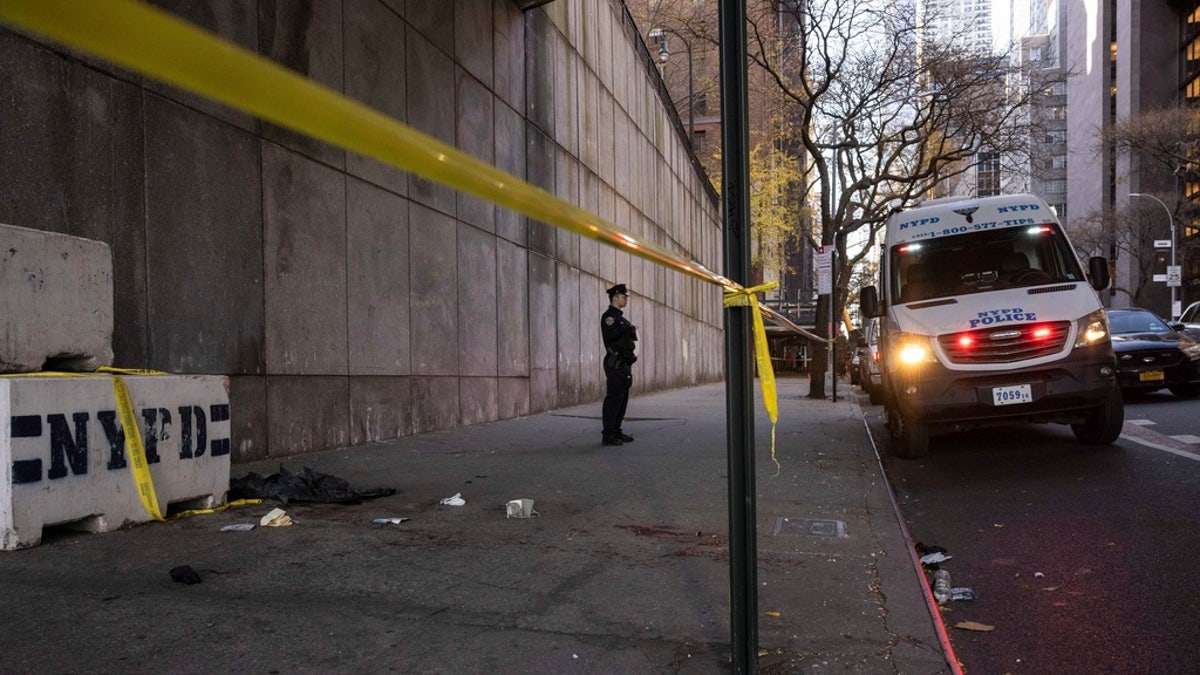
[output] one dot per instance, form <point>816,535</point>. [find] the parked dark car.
<point>1152,355</point>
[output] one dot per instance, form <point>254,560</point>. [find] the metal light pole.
<point>1171,221</point>
<point>664,51</point>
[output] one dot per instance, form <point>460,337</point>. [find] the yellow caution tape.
<point>762,354</point>
<point>216,509</point>
<point>129,371</point>
<point>137,452</point>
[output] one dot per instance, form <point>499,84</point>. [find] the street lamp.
<point>1171,223</point>
<point>660,35</point>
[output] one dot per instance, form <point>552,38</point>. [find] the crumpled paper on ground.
<point>276,518</point>
<point>456,500</point>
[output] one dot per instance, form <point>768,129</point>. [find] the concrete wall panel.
<point>431,105</point>
<point>567,315</point>
<point>593,301</point>
<point>475,132</point>
<point>512,317</point>
<point>304,213</point>
<point>380,408</point>
<point>236,22</point>
<point>304,36</point>
<point>376,76</point>
<point>543,342</point>
<point>510,157</point>
<point>477,310</point>
<point>434,403</point>
<point>248,422</point>
<point>433,303</point>
<point>435,20</point>
<point>305,414</point>
<point>509,60</point>
<point>203,249</point>
<point>512,397</point>
<point>540,169</point>
<point>473,35</point>
<point>377,278</point>
<point>479,398</point>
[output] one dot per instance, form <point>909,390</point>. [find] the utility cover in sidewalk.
<point>813,527</point>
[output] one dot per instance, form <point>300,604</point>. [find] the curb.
<point>930,604</point>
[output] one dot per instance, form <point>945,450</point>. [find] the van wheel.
<point>1103,424</point>
<point>910,439</point>
<point>875,394</point>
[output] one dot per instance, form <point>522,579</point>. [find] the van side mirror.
<point>1098,272</point>
<point>868,301</point>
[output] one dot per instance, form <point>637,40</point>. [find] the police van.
<point>987,317</point>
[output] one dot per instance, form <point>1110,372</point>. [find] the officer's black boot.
<point>610,439</point>
<point>625,438</point>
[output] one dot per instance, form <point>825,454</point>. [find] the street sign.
<point>824,270</point>
<point>1174,275</point>
<point>1159,278</point>
<point>1162,243</point>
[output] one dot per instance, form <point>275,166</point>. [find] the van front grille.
<point>1006,343</point>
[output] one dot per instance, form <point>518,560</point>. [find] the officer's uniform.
<point>620,338</point>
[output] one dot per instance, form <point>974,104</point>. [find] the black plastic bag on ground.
<point>307,486</point>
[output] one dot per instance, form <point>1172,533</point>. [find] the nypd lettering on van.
<point>992,317</point>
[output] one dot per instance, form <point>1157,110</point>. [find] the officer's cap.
<point>618,289</point>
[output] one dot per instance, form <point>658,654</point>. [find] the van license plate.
<point>1021,393</point>
<point>1151,376</point>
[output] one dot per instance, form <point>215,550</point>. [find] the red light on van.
<point>1040,332</point>
<point>966,341</point>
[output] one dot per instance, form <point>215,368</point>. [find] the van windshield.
<point>993,259</point>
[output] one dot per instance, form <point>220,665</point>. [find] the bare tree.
<point>1166,143</point>
<point>1127,234</point>
<point>1168,137</point>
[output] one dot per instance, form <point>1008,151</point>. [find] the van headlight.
<point>1091,329</point>
<point>913,349</point>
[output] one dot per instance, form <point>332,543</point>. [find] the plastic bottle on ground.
<point>941,586</point>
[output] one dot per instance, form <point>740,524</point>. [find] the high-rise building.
<point>1125,58</point>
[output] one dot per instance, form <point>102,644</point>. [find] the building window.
<point>1060,210</point>
<point>987,174</point>
<point>1056,136</point>
<point>698,142</point>
<point>1055,187</point>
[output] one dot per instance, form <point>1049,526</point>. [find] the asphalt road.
<point>1083,560</point>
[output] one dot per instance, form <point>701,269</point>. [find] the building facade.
<point>1125,58</point>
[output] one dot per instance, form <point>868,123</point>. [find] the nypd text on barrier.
<point>69,442</point>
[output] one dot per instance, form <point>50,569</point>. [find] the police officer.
<point>620,337</point>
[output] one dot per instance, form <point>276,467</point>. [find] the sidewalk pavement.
<point>625,570</point>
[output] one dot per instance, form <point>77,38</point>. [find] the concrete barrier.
<point>65,461</point>
<point>56,302</point>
